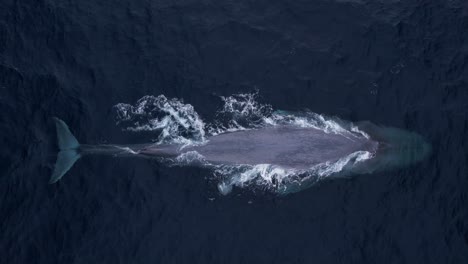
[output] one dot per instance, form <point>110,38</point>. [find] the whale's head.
<point>396,148</point>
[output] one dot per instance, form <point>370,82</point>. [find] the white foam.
<point>175,121</point>
<point>245,112</point>
<point>224,188</point>
<point>244,105</point>
<point>178,123</point>
<point>190,157</point>
<point>127,150</point>
<point>277,178</point>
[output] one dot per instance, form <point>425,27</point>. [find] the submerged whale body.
<point>285,146</point>
<point>289,158</point>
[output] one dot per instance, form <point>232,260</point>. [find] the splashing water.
<point>178,123</point>
<point>240,112</point>
<point>274,178</point>
<point>175,121</point>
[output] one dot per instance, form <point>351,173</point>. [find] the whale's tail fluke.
<point>69,150</point>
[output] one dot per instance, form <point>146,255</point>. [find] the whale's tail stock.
<point>68,150</point>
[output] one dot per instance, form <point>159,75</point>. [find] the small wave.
<point>245,105</point>
<point>190,158</point>
<point>175,121</point>
<point>275,178</point>
<point>243,111</point>
<point>309,119</point>
<point>240,112</point>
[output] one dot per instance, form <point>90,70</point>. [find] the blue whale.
<point>285,146</point>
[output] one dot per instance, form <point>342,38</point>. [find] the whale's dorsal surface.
<point>287,146</point>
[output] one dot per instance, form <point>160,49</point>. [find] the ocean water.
<point>399,64</point>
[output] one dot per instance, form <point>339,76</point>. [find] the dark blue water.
<point>396,63</point>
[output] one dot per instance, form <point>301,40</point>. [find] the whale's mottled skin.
<point>286,146</point>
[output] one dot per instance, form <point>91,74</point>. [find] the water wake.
<point>175,122</point>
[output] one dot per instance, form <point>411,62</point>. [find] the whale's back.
<point>286,146</point>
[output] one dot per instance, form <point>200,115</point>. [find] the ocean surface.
<point>401,64</point>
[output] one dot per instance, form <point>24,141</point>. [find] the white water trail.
<point>175,122</point>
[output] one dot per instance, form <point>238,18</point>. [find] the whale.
<point>284,146</point>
